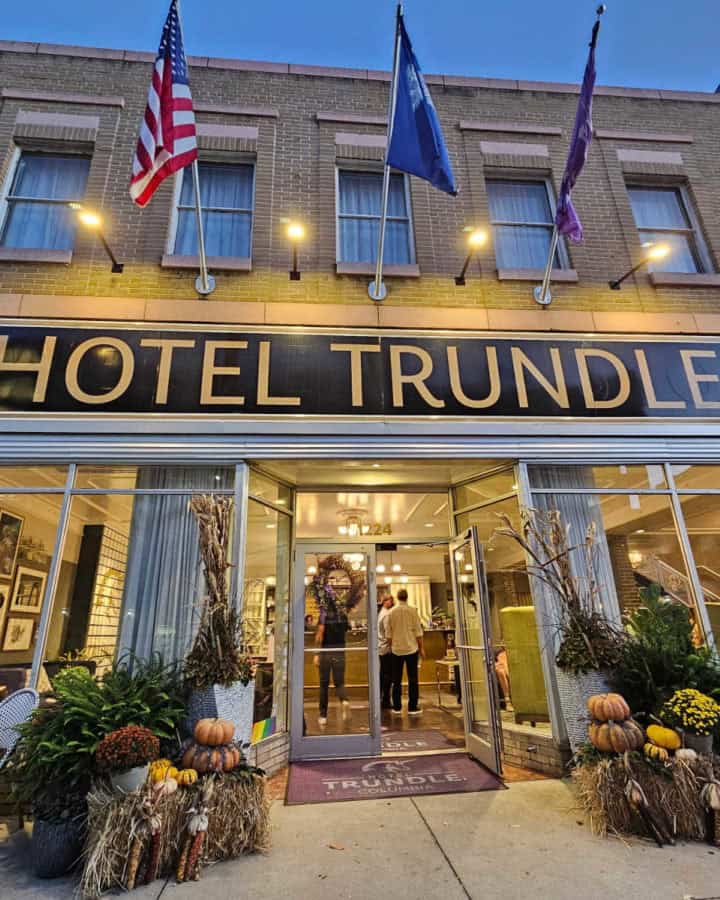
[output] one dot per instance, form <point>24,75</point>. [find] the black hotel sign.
<point>113,370</point>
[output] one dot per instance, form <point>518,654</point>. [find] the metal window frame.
<point>339,216</point>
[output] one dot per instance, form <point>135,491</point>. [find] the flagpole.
<point>542,292</point>
<point>204,283</point>
<point>376,289</point>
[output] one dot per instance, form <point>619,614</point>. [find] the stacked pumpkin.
<point>213,748</point>
<point>613,730</point>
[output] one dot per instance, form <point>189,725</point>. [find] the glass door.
<point>335,668</point>
<point>474,649</point>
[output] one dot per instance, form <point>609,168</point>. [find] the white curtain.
<point>164,582</point>
<point>48,226</point>
<point>518,246</point>
<point>361,195</point>
<point>578,511</point>
<point>226,194</point>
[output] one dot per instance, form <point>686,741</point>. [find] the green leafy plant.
<point>126,748</point>
<point>55,755</point>
<point>658,656</point>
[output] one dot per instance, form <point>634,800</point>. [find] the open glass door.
<point>335,708</point>
<point>474,649</point>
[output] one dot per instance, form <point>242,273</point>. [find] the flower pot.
<point>56,846</point>
<point>131,780</point>
<point>700,743</point>
<point>574,692</point>
<point>234,703</point>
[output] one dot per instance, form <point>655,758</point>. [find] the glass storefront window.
<point>33,476</point>
<point>621,477</point>
<point>264,488</point>
<point>697,478</point>
<point>265,608</point>
<point>28,531</point>
<point>128,478</point>
<point>484,489</point>
<point>702,520</point>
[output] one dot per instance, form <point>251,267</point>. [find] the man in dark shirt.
<point>330,639</point>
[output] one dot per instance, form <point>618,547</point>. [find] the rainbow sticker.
<point>263,729</point>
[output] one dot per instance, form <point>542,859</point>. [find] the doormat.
<point>417,741</point>
<point>325,781</point>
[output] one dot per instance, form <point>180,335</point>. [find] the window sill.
<point>567,275</point>
<point>33,255</point>
<point>410,270</point>
<point>684,279</point>
<point>218,263</point>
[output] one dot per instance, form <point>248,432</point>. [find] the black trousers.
<point>335,663</point>
<point>385,679</point>
<point>411,664</point>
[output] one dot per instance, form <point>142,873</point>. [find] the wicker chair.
<point>14,710</point>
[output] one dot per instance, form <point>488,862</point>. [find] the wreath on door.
<point>325,592</point>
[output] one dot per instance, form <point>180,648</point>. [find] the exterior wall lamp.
<point>654,251</point>
<point>93,221</point>
<point>295,233</point>
<point>476,239</point>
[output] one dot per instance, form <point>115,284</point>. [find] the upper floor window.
<point>226,196</point>
<point>359,206</point>
<point>522,214</point>
<point>665,215</point>
<point>37,212</point>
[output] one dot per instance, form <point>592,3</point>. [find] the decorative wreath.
<point>326,594</point>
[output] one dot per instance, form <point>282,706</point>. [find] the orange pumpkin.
<point>608,708</point>
<point>616,737</point>
<point>214,732</point>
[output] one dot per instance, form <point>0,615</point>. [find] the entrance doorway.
<point>335,680</point>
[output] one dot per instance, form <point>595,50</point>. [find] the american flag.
<point>167,141</point>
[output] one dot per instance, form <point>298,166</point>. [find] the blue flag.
<point>417,145</point>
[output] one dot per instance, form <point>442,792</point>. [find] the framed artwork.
<point>11,527</point>
<point>4,601</point>
<point>18,634</point>
<point>28,591</point>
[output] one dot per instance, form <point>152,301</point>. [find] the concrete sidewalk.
<point>525,842</point>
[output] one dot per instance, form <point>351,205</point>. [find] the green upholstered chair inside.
<point>527,685</point>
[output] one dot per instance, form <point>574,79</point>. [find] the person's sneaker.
<point>322,720</point>
<point>346,709</point>
<point>415,712</point>
<point>397,712</point>
<point>509,707</point>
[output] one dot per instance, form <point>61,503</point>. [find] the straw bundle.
<point>238,815</point>
<point>672,792</point>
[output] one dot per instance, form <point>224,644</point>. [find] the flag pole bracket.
<point>375,295</point>
<point>543,297</point>
<point>205,289</point>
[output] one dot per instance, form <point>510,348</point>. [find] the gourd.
<point>161,773</point>
<point>204,758</point>
<point>608,707</point>
<point>663,737</point>
<point>652,751</point>
<point>686,755</point>
<point>616,737</point>
<point>214,732</point>
<point>186,776</point>
<point>160,764</point>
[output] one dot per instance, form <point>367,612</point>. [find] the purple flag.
<point>566,218</point>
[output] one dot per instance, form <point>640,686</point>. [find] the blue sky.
<point>646,43</point>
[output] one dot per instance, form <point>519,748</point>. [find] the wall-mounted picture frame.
<point>11,527</point>
<point>18,634</point>
<point>5,593</point>
<point>28,590</point>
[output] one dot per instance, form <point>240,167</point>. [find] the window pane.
<point>359,237</point>
<point>699,478</point>
<point>39,226</point>
<point>195,478</point>
<point>522,248</point>
<point>361,194</point>
<point>265,609</point>
<point>519,201</point>
<point>592,477</point>
<point>658,208</point>
<point>47,177</point>
<point>268,489</point>
<point>484,489</point>
<point>33,476</point>
<point>28,529</point>
<point>702,519</point>
<point>226,234</point>
<point>226,186</point>
<point>682,256</point>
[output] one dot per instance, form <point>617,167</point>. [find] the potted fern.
<point>588,646</point>
<point>217,670</point>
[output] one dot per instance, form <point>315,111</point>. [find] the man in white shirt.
<point>405,633</point>
<point>384,651</point>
